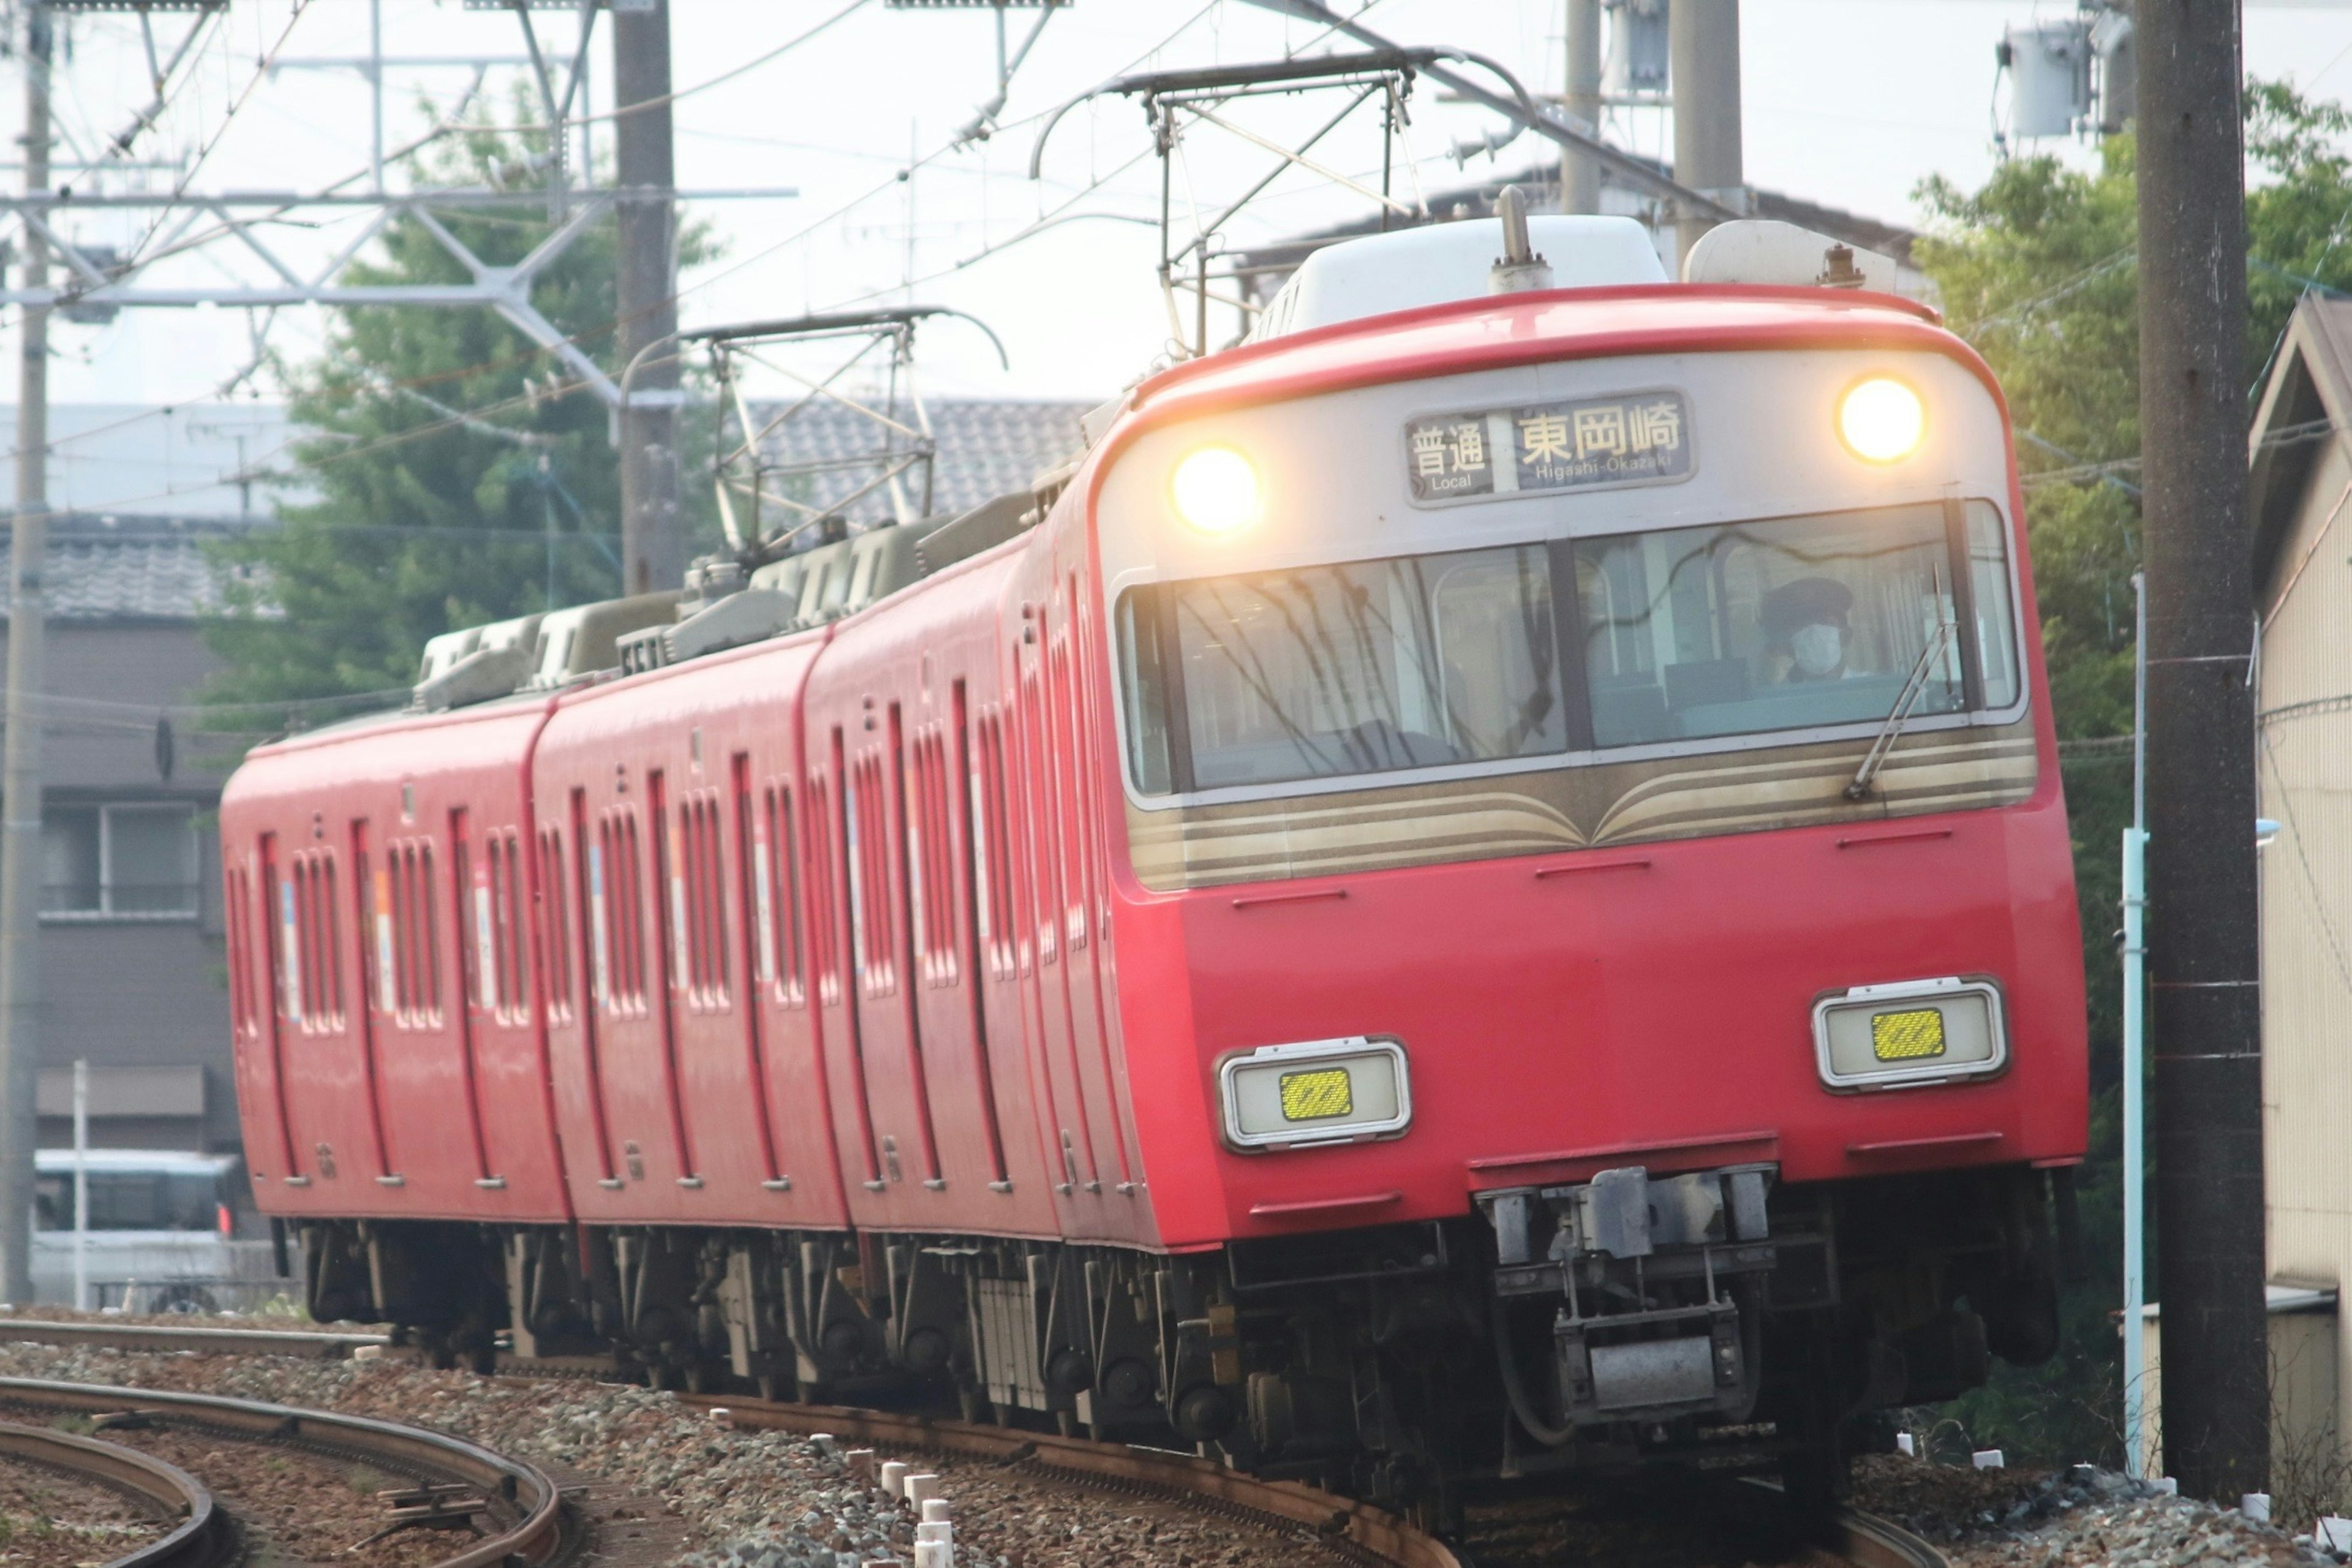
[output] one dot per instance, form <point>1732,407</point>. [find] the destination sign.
<point>1550,447</point>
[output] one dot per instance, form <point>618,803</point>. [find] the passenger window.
<point>780,882</point>
<point>824,936</point>
<point>556,933</point>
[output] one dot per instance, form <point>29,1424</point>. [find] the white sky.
<point>1848,102</point>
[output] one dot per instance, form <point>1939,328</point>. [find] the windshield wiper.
<point>1889,731</point>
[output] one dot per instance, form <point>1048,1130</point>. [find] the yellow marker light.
<point>1907,1037</point>
<point>1216,490</point>
<point>1882,420</point>
<point>1314,1096</point>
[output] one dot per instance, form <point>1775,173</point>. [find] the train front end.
<point>1600,963</point>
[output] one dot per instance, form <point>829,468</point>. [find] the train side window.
<point>938,934</point>
<point>779,880</point>
<point>300,942</point>
<point>824,938</point>
<point>555,962</point>
<point>993,847</point>
<point>396,882</point>
<point>869,885</point>
<point>490,940</point>
<point>1043,885</point>
<point>633,911</point>
<point>328,921</point>
<point>515,916</point>
<point>503,987</point>
<point>1062,737</point>
<point>623,921</point>
<point>705,912</point>
<point>908,766</point>
<point>429,934</point>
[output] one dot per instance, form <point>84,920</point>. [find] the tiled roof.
<point>110,568</point>
<point>986,448</point>
<point>123,568</point>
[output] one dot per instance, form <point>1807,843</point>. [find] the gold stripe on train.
<point>1432,824</point>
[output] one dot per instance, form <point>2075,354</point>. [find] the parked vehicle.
<point>161,1235</point>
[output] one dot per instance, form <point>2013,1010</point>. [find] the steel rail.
<point>315,1344</point>
<point>526,1491</point>
<point>200,1540</point>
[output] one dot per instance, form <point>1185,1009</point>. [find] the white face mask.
<point>1818,647</point>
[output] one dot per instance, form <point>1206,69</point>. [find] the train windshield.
<point>1494,655</point>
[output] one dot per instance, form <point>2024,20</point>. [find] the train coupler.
<point>1658,1285</point>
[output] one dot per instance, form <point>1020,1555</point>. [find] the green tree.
<point>439,465</point>
<point>2037,271</point>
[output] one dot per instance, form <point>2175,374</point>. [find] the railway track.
<point>1343,1528</point>
<point>200,1536</point>
<point>455,1481</point>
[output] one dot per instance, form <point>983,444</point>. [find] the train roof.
<point>1548,325</point>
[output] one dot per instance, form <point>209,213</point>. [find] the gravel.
<point>2066,1518</point>
<point>747,1498</point>
<point>52,1520</point>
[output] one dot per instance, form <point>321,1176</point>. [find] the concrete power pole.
<point>20,843</point>
<point>1703,44</point>
<point>2203,959</point>
<point>652,541</point>
<point>1580,178</point>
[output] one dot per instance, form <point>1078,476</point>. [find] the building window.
<point>119,862</point>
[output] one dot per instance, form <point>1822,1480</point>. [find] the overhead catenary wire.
<point>535,351</point>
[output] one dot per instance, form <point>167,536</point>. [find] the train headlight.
<point>1316,1092</point>
<point>1916,1032</point>
<point>1881,420</point>
<point>1215,489</point>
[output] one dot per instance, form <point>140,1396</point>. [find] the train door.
<point>466,903</point>
<point>587,954</point>
<point>372,924</point>
<point>899,855</point>
<point>1088,724</point>
<point>754,896</point>
<point>1003,932</point>
<point>277,925</point>
<point>251,1010</point>
<point>1043,881</point>
<point>1081,977</point>
<point>839,914</point>
<point>670,965</point>
<point>964,856</point>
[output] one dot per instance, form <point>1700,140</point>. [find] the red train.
<point>1480,887</point>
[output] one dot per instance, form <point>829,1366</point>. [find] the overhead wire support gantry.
<point>1176,101</point>
<point>752,468</point>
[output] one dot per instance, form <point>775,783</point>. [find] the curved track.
<point>524,1500</point>
<point>1351,1530</point>
<point>201,1539</point>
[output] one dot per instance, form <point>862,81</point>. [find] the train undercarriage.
<point>1714,1316</point>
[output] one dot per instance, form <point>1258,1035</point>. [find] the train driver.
<point>1810,622</point>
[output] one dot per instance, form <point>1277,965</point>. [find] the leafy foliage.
<point>2037,271</point>
<point>427,517</point>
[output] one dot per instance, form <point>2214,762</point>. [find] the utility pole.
<point>653,543</point>
<point>1580,178</point>
<point>2203,960</point>
<point>20,750</point>
<point>1703,44</point>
